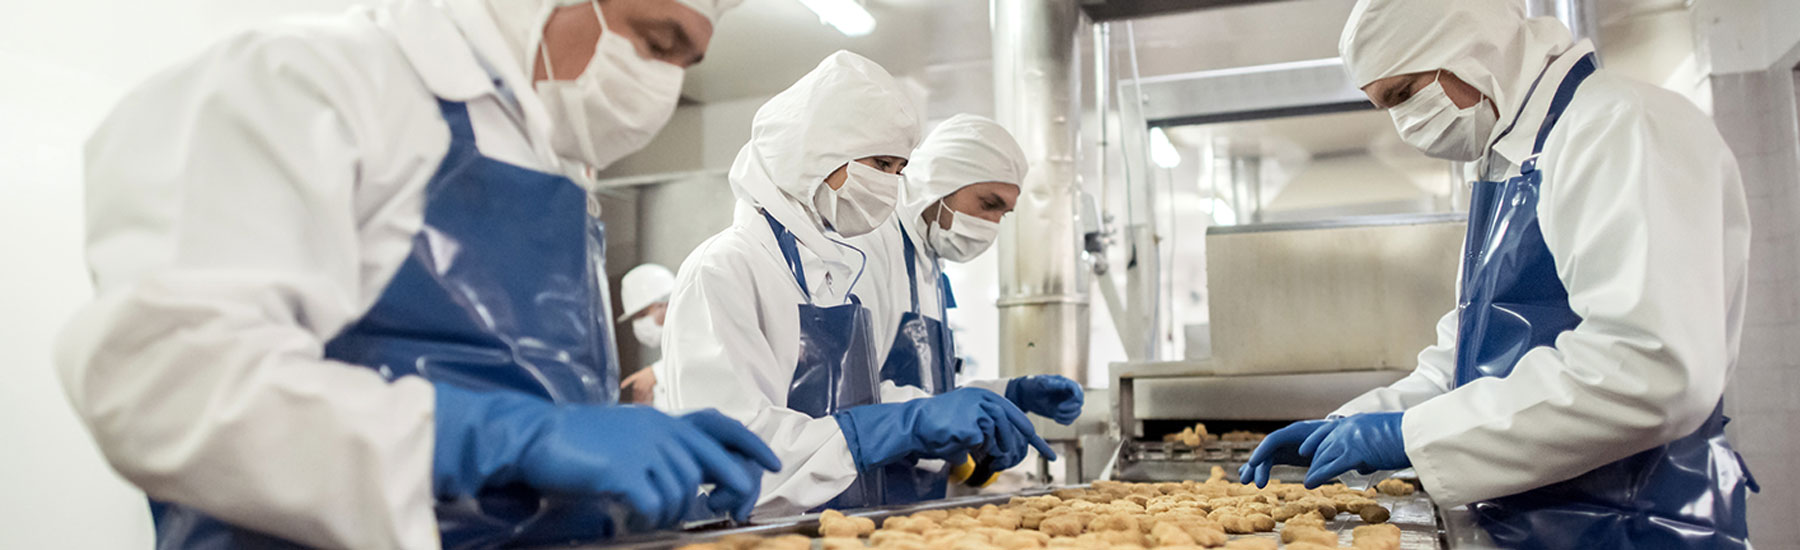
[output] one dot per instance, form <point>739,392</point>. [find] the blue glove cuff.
<point>479,436</point>
<point>852,437</point>
<point>1015,393</point>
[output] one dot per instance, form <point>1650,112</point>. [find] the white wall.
<point>65,63</point>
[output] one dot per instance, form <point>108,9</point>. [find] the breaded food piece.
<point>1394,487</point>
<point>1002,519</point>
<point>841,543</point>
<point>1383,530</point>
<point>1237,525</point>
<point>1288,511</point>
<point>1216,474</point>
<point>935,516</point>
<point>1374,514</point>
<point>785,542</point>
<point>1311,546</point>
<point>1115,538</point>
<point>1251,544</point>
<point>889,536</point>
<point>1068,525</point>
<point>1262,523</point>
<point>961,522</point>
<point>1292,533</point>
<point>1311,518</point>
<point>913,524</point>
<point>1169,534</point>
<point>1029,518</point>
<point>738,542</point>
<point>1115,522</point>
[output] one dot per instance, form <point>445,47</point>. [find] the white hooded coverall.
<point>731,335</point>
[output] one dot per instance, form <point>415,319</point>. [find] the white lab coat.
<point>731,337</point>
<point>1644,211</point>
<point>243,208</point>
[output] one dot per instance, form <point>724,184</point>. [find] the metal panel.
<point>1250,93</point>
<point>1278,397</point>
<point>1329,299</point>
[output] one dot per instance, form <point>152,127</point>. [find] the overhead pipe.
<point>1043,302</point>
<point>1581,16</point>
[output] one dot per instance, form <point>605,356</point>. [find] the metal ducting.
<point>1582,16</point>
<point>1043,302</point>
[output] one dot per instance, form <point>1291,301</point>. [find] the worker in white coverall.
<point>764,324</point>
<point>1573,399</point>
<point>644,293</point>
<point>962,180</point>
<point>346,288</point>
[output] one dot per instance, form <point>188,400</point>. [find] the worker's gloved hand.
<point>1050,396</point>
<point>944,427</point>
<point>1365,442</point>
<point>653,462</point>
<point>1281,447</point>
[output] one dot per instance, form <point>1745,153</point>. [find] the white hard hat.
<point>645,285</point>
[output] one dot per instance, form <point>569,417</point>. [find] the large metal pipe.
<point>1581,16</point>
<point>1043,301</point>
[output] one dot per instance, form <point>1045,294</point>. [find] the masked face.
<point>647,330</point>
<point>1433,123</point>
<point>615,106</point>
<point>967,237</point>
<point>865,200</point>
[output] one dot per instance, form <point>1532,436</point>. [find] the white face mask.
<point>967,237</point>
<point>648,331</point>
<point>615,106</point>
<point>1432,123</point>
<point>866,199</point>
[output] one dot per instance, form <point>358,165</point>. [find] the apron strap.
<point>456,114</point>
<point>789,251</point>
<point>912,272</point>
<point>1564,93</point>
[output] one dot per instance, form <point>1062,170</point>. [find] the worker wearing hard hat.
<point>644,293</point>
<point>345,297</point>
<point>1574,398</point>
<point>765,326</point>
<point>962,180</point>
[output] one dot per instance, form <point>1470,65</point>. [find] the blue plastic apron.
<point>502,291</point>
<point>835,369</point>
<point>1688,494</point>
<point>921,345</point>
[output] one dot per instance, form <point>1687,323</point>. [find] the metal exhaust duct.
<point>1581,16</point>
<point>1043,302</point>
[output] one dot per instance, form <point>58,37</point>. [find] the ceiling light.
<point>1162,151</point>
<point>847,16</point>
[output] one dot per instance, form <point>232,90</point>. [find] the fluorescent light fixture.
<point>1222,214</point>
<point>847,16</point>
<point>1162,151</point>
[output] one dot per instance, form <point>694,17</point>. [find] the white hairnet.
<point>965,150</point>
<point>1488,43</point>
<point>845,109</point>
<point>644,286</point>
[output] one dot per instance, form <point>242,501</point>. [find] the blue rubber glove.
<point>1365,442</point>
<point>945,427</point>
<point>1047,395</point>
<point>1281,447</point>
<point>654,462</point>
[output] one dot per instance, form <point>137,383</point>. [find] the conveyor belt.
<point>1417,517</point>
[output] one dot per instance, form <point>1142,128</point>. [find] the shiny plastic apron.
<point>1688,494</point>
<point>836,366</point>
<point>922,357</point>
<point>502,291</point>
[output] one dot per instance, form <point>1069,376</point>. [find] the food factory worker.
<point>765,326</point>
<point>962,179</point>
<point>344,289</point>
<point>645,293</point>
<point>1573,398</point>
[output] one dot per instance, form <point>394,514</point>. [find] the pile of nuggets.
<point>1116,516</point>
